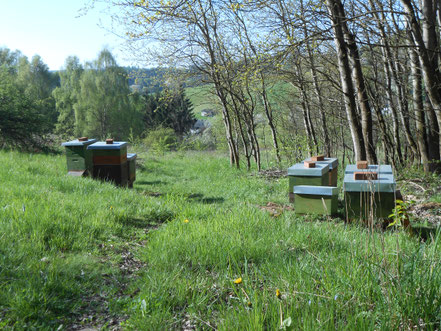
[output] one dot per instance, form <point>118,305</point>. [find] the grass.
<point>165,254</point>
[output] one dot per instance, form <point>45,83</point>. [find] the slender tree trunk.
<point>346,80</point>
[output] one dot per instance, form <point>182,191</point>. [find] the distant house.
<point>199,127</point>
<point>207,113</point>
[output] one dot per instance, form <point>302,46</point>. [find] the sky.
<point>56,29</point>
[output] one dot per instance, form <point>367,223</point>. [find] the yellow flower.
<point>249,304</point>
<point>278,294</point>
<point>111,207</point>
<point>238,280</point>
<point>186,221</point>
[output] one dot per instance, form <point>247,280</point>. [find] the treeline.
<point>365,73</point>
<point>94,99</point>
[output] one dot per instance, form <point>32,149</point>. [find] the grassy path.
<point>165,255</point>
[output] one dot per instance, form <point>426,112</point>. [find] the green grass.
<point>61,255</point>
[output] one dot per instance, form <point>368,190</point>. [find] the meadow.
<point>197,244</point>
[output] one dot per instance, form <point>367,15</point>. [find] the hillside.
<point>197,245</point>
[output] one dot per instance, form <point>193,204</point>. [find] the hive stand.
<point>298,175</point>
<point>322,200</point>
<point>79,159</point>
<point>110,161</point>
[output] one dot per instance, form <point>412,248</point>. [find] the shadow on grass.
<point>153,182</point>
<point>198,197</point>
<point>151,220</point>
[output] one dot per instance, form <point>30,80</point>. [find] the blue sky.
<point>55,29</point>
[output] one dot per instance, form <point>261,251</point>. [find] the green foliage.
<point>399,213</point>
<point>22,123</point>
<point>161,140</point>
<point>171,109</point>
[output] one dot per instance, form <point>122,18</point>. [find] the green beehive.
<point>298,174</point>
<point>322,200</point>
<point>110,161</point>
<point>369,199</point>
<point>333,168</point>
<point>131,160</point>
<point>79,159</point>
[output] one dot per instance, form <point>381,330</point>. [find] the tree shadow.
<point>152,182</point>
<point>198,197</point>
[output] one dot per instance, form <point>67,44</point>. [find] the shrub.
<point>161,140</point>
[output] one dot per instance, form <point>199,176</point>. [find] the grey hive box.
<point>333,168</point>
<point>381,169</point>
<point>79,159</point>
<point>322,200</point>
<point>365,199</point>
<point>110,161</point>
<point>298,175</point>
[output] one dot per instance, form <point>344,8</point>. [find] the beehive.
<point>298,175</point>
<point>369,199</point>
<point>79,159</point>
<point>131,160</point>
<point>110,161</point>
<point>321,200</point>
<point>333,168</point>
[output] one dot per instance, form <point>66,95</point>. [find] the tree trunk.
<point>346,80</point>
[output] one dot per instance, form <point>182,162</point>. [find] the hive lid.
<point>76,142</point>
<point>300,170</point>
<point>332,161</point>
<point>316,190</point>
<point>381,169</point>
<point>103,145</point>
<point>384,183</point>
<point>131,156</point>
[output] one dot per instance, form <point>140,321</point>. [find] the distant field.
<point>202,98</point>
<point>197,245</point>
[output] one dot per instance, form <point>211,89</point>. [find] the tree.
<point>22,123</point>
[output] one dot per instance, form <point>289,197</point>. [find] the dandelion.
<point>238,280</point>
<point>278,294</point>
<point>186,221</point>
<point>111,207</point>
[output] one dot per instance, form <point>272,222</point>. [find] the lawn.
<point>197,245</point>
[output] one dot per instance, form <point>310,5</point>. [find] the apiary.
<point>321,200</point>
<point>301,174</point>
<point>333,167</point>
<point>369,198</point>
<point>110,161</point>
<point>79,159</point>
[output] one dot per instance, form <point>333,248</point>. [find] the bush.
<point>161,140</point>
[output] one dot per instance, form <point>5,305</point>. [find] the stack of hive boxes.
<point>79,159</point>
<point>106,160</point>
<point>312,186</point>
<point>369,191</point>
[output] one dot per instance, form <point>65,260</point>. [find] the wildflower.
<point>111,207</point>
<point>278,294</point>
<point>186,221</point>
<point>238,280</point>
<point>336,297</point>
